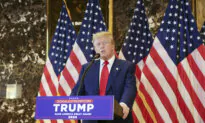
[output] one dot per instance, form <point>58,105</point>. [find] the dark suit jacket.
<point>121,84</point>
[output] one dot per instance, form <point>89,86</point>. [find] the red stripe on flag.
<point>173,84</point>
<point>53,121</point>
<point>75,61</point>
<point>201,49</point>
<point>69,79</point>
<point>41,90</point>
<point>151,104</point>
<point>143,109</point>
<point>197,103</point>
<point>135,120</point>
<point>197,72</point>
<point>138,72</point>
<point>163,98</point>
<point>50,82</point>
<point>61,91</point>
<point>41,121</point>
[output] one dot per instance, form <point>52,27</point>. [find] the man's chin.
<point>103,57</point>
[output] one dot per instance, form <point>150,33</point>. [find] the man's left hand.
<point>126,110</point>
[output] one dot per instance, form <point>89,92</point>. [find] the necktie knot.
<point>106,63</point>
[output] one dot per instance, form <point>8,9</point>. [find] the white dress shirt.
<point>111,61</point>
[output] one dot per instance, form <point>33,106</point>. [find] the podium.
<point>118,112</point>
<point>77,107</point>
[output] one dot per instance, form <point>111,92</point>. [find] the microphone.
<point>97,55</point>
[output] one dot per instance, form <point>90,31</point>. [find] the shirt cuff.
<point>122,103</point>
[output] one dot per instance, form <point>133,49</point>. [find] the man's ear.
<point>113,48</point>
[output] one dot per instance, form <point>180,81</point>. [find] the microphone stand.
<point>97,55</point>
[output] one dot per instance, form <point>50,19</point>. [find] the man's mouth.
<point>102,51</point>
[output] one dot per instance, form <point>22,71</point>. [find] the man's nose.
<point>101,46</point>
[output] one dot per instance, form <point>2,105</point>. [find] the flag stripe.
<point>75,61</point>
<point>79,54</point>
<point>189,86</point>
<point>135,110</point>
<point>163,101</point>
<point>45,121</point>
<point>160,77</point>
<point>139,67</point>
<point>150,107</point>
<point>173,84</point>
<point>196,71</point>
<point>45,86</point>
<point>70,121</point>
<point>73,72</point>
<point>164,64</point>
<point>142,108</point>
<point>153,94</point>
<point>186,83</point>
<point>198,58</point>
<point>50,82</point>
<point>69,79</point>
<point>54,121</point>
<point>194,82</point>
<point>202,51</point>
<point>61,91</point>
<point>171,80</point>
<point>41,91</point>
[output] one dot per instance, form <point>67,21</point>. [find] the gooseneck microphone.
<point>97,55</point>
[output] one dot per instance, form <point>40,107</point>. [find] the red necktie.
<point>104,78</point>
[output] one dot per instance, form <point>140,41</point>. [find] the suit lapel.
<point>113,73</point>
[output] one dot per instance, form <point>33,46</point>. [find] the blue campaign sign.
<point>75,107</point>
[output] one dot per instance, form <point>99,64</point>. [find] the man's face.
<point>104,47</point>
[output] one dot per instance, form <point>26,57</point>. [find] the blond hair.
<point>103,34</point>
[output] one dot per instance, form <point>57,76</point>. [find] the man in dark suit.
<point>109,76</point>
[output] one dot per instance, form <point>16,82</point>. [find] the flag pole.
<point>47,29</point>
<point>67,9</point>
<point>111,16</point>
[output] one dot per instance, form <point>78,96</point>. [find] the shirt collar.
<point>111,60</point>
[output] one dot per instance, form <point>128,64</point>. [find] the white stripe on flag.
<point>164,85</point>
<point>158,104</point>
<point>194,82</point>
<point>199,60</point>
<point>187,99</point>
<point>60,121</point>
<point>173,70</point>
<point>138,112</point>
<point>45,86</point>
<point>72,70</point>
<point>65,85</point>
<point>79,54</point>
<point>52,74</point>
<point>140,64</point>
<point>46,121</point>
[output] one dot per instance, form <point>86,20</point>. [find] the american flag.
<point>203,32</point>
<point>135,49</point>
<point>83,50</point>
<point>60,49</point>
<point>174,71</point>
